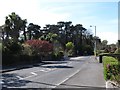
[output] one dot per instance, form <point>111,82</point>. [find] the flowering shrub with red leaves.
<point>40,46</point>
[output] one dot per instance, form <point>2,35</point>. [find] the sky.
<point>100,13</point>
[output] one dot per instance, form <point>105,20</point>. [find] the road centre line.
<point>70,76</point>
<point>33,73</point>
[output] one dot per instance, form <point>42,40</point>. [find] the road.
<point>57,74</point>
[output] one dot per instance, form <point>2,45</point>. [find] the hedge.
<point>111,69</point>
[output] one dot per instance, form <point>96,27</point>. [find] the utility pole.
<point>95,43</point>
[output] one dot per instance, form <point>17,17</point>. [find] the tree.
<point>30,28</point>
<point>104,44</point>
<point>64,32</point>
<point>60,24</point>
<point>33,31</point>
<point>13,26</point>
<point>78,31</point>
<point>69,45</point>
<point>67,30</point>
<point>2,31</point>
<point>24,22</point>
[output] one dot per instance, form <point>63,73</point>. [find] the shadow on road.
<point>53,62</point>
<point>11,80</point>
<point>81,60</point>
<point>59,66</point>
<point>10,68</point>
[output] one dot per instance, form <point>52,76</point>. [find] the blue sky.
<point>103,15</point>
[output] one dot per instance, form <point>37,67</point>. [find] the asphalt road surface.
<point>76,72</point>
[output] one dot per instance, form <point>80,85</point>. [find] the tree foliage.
<point>40,46</point>
<point>13,25</point>
<point>69,45</point>
<point>16,28</point>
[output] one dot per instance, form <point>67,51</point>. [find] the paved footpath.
<point>90,76</point>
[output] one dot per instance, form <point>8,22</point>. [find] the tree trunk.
<point>25,38</point>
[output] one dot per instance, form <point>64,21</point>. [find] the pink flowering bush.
<point>40,46</point>
<point>111,69</point>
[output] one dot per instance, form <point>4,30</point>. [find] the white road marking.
<point>49,69</point>
<point>42,71</point>
<point>20,77</point>
<point>29,76</point>
<point>70,76</point>
<point>45,70</point>
<point>33,73</point>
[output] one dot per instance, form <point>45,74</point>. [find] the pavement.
<point>77,72</point>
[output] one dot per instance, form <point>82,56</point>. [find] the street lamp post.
<point>95,41</point>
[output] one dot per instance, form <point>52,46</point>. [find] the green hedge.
<point>19,59</point>
<point>111,69</point>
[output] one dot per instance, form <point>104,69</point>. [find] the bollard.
<point>100,58</point>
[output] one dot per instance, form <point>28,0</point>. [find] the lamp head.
<point>90,25</point>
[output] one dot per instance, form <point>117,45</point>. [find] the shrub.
<point>40,47</point>
<point>60,55</point>
<point>10,52</point>
<point>88,50</point>
<point>57,55</point>
<point>117,51</point>
<point>69,48</point>
<point>11,47</point>
<point>111,69</point>
<point>69,45</point>
<point>70,53</point>
<point>27,50</point>
<point>53,56</point>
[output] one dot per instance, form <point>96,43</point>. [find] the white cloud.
<point>19,6</point>
<point>30,10</point>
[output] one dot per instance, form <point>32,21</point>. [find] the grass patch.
<point>111,69</point>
